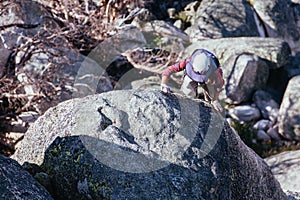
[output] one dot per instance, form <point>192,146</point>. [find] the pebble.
<point>273,133</point>
<point>262,135</point>
<point>263,124</point>
<point>244,113</point>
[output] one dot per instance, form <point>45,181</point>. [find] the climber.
<point>202,69</point>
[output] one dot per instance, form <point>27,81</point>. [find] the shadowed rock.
<point>289,113</point>
<point>285,167</point>
<point>16,183</point>
<point>143,144</point>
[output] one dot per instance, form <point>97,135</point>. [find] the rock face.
<point>279,20</point>
<point>248,74</point>
<point>143,144</point>
<point>221,18</point>
<point>289,113</point>
<point>16,183</point>
<point>285,167</point>
<point>268,106</point>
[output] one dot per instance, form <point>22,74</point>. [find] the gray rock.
<point>293,69</point>
<point>164,29</point>
<point>157,32</point>
<point>279,20</point>
<point>151,82</point>
<point>262,135</point>
<point>268,106</point>
<point>29,116</point>
<point>17,13</point>
<point>293,195</point>
<point>289,112</point>
<point>143,144</point>
<point>285,167</point>
<point>248,74</point>
<point>16,183</point>
<point>69,74</point>
<point>263,124</point>
<point>244,113</point>
<point>230,20</point>
<point>273,133</point>
<point>44,180</point>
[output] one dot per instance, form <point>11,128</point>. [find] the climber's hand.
<point>165,88</point>
<point>217,106</point>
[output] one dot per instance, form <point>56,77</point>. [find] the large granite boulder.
<point>248,74</point>
<point>285,167</point>
<point>16,183</point>
<point>289,112</point>
<point>222,18</point>
<point>279,19</point>
<point>134,144</point>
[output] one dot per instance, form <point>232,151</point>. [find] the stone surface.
<point>16,183</point>
<point>293,69</point>
<point>263,124</point>
<point>279,20</point>
<point>286,167</point>
<point>262,135</point>
<point>268,106</point>
<point>289,112</point>
<point>248,74</point>
<point>143,144</point>
<point>293,195</point>
<point>244,113</point>
<point>222,18</point>
<point>273,133</point>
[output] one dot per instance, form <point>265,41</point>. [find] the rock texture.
<point>248,74</point>
<point>16,183</point>
<point>154,146</point>
<point>268,106</point>
<point>244,113</point>
<point>279,20</point>
<point>289,113</point>
<point>43,57</point>
<point>222,18</point>
<point>285,167</point>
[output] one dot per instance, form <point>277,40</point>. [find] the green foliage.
<point>157,41</point>
<point>183,17</point>
<point>250,2</point>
